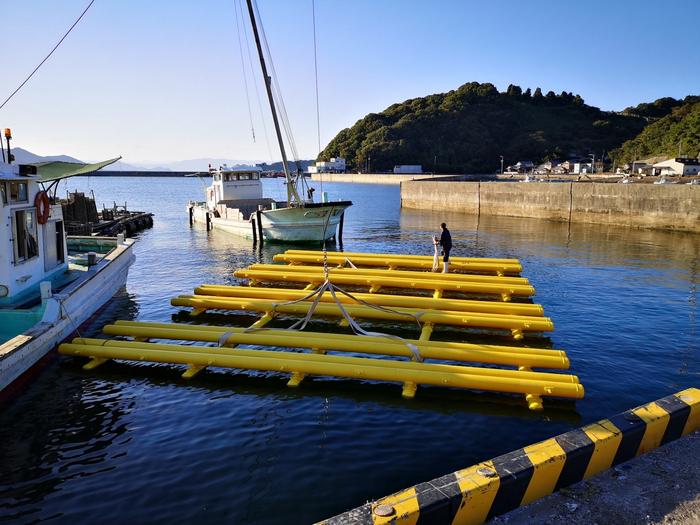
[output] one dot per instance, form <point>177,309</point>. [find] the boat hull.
<point>312,223</point>
<point>64,312</point>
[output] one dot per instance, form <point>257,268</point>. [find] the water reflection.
<point>68,436</point>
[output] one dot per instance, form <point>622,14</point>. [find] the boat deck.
<point>27,309</point>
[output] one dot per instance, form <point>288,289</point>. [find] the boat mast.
<point>292,194</point>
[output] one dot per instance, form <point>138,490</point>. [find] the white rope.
<point>327,285</point>
<point>436,257</point>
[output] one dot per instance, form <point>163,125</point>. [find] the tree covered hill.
<point>680,126</point>
<point>466,130</point>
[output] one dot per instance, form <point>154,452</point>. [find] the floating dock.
<point>411,360</point>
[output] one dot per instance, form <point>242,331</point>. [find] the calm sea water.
<point>135,443</point>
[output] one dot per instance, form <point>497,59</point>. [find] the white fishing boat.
<point>235,202</point>
<point>49,283</point>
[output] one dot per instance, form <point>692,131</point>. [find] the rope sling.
<point>334,291</point>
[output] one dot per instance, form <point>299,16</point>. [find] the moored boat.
<point>49,283</point>
<point>235,202</point>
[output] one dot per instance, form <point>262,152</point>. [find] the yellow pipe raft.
<point>401,274</point>
<point>410,301</point>
<point>295,333</point>
<point>516,324</point>
<point>350,367</point>
<point>393,262</point>
<point>406,257</point>
<point>296,356</point>
<point>505,290</point>
<point>463,352</point>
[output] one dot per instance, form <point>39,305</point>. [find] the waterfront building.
<point>677,166</point>
<point>335,165</point>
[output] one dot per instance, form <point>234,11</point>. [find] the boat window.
<point>25,242</point>
<point>244,176</point>
<point>3,193</point>
<point>18,192</point>
<point>256,176</point>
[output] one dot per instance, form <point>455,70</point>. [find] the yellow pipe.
<point>495,321</point>
<point>330,366</point>
<point>383,363</point>
<point>409,301</point>
<point>431,276</point>
<point>504,290</point>
<point>404,256</point>
<point>326,335</point>
<point>398,262</point>
<point>348,343</point>
<point>544,323</point>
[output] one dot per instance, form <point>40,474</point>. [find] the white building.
<point>677,166</point>
<point>582,167</point>
<point>408,168</point>
<point>335,165</point>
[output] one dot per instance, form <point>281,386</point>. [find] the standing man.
<point>446,243</point>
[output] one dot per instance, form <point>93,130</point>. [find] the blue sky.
<point>162,81</point>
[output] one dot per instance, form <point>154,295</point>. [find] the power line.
<point>49,55</point>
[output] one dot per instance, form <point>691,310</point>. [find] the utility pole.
<point>680,142</point>
<point>592,155</point>
<point>501,164</point>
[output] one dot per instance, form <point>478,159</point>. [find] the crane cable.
<point>47,56</point>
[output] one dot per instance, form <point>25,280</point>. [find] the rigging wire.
<point>277,93</point>
<point>318,112</point>
<point>255,82</point>
<point>243,70</point>
<point>49,55</point>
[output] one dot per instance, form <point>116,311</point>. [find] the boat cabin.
<point>234,184</point>
<point>31,235</point>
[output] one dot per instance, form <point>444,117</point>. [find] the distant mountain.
<point>467,130</point>
<point>662,137</point>
<point>277,166</point>
<point>123,166</point>
<point>23,156</point>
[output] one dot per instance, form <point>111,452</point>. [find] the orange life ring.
<point>43,208</point>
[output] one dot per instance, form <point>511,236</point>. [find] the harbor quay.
<point>660,206</point>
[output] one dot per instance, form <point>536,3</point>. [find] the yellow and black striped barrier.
<point>494,487</point>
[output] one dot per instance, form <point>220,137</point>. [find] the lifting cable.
<point>328,286</point>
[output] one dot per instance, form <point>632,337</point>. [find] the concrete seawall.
<point>672,207</point>
<point>389,178</point>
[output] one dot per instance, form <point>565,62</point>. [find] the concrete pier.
<point>663,206</point>
<point>388,178</point>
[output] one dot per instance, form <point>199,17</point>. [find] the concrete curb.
<point>478,493</point>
